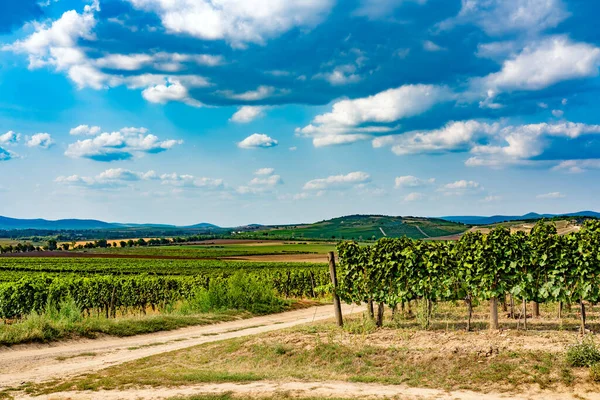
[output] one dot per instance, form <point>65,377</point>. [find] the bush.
<point>584,354</point>
<point>239,292</point>
<point>595,373</point>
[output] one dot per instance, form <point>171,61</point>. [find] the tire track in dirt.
<point>38,363</point>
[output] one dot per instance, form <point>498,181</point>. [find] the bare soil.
<point>38,363</point>
<point>324,389</point>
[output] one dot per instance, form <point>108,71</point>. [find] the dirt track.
<point>346,390</point>
<point>37,363</point>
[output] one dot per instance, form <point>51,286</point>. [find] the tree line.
<point>540,266</point>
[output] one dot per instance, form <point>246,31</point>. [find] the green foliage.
<point>540,266</point>
<point>240,292</point>
<point>595,372</point>
<point>584,354</point>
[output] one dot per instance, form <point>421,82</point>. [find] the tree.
<point>52,245</point>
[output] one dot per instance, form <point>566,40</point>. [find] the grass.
<point>41,328</point>
<point>322,352</point>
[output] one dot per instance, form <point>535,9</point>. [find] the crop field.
<point>223,250</point>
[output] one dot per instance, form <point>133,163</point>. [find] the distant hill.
<point>480,220</point>
<point>7,223</point>
<point>366,227</point>
<point>63,224</point>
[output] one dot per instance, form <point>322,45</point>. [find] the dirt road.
<point>37,363</point>
<point>347,390</point>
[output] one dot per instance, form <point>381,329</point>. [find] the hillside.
<point>494,219</point>
<point>363,227</point>
<point>7,223</point>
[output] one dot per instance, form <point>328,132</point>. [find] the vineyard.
<point>541,267</point>
<point>108,286</point>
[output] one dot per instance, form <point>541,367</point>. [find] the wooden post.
<point>380,310</point>
<point>336,299</point>
<point>494,313</point>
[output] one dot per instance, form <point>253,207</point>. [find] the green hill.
<point>366,227</point>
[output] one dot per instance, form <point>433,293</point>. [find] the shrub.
<point>239,292</point>
<point>595,372</point>
<point>584,354</point>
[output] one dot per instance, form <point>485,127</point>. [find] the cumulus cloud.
<point>236,21</point>
<point>558,113</point>
<point>172,90</point>
<point>578,166</point>
<point>428,45</point>
<point>260,93</point>
<point>546,62</point>
<point>247,114</point>
<point>42,140</point>
<point>453,137</point>
<point>85,130</point>
<point>460,188</point>
<point>6,155</point>
<point>264,171</point>
<point>524,142</point>
<point>411,181</point>
<point>359,119</point>
<point>161,61</point>
<point>257,140</point>
<point>341,75</point>
<point>10,137</point>
<point>551,195</point>
<point>119,177</point>
<point>500,17</point>
<point>119,145</point>
<point>338,181</point>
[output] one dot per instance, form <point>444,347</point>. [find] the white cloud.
<point>173,90</point>
<point>578,166</point>
<point>191,181</point>
<point>411,181</point>
<point>455,136</point>
<point>236,21</point>
<point>10,137</point>
<point>347,119</point>
<point>428,45</point>
<point>499,17</point>
<point>558,113</point>
<point>261,93</point>
<point>523,142</point>
<point>257,140</point>
<point>161,61</point>
<point>414,196</point>
<point>341,75</point>
<point>119,145</point>
<point>42,140</point>
<point>551,195</point>
<point>338,181</point>
<point>85,130</point>
<point>247,114</point>
<point>6,155</point>
<point>264,171</point>
<point>293,148</point>
<point>542,64</point>
<point>460,188</point>
<point>564,102</point>
<point>119,177</point>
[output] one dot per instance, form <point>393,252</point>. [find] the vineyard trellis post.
<point>336,298</point>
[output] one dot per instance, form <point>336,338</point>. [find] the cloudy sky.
<point>282,111</point>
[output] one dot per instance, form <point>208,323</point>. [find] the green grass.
<point>220,251</point>
<point>367,227</point>
<point>41,328</point>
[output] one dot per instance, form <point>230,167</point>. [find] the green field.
<point>220,251</point>
<point>367,227</point>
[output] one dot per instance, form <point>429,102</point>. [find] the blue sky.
<point>283,111</point>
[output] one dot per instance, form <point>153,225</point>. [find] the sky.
<point>286,111</point>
